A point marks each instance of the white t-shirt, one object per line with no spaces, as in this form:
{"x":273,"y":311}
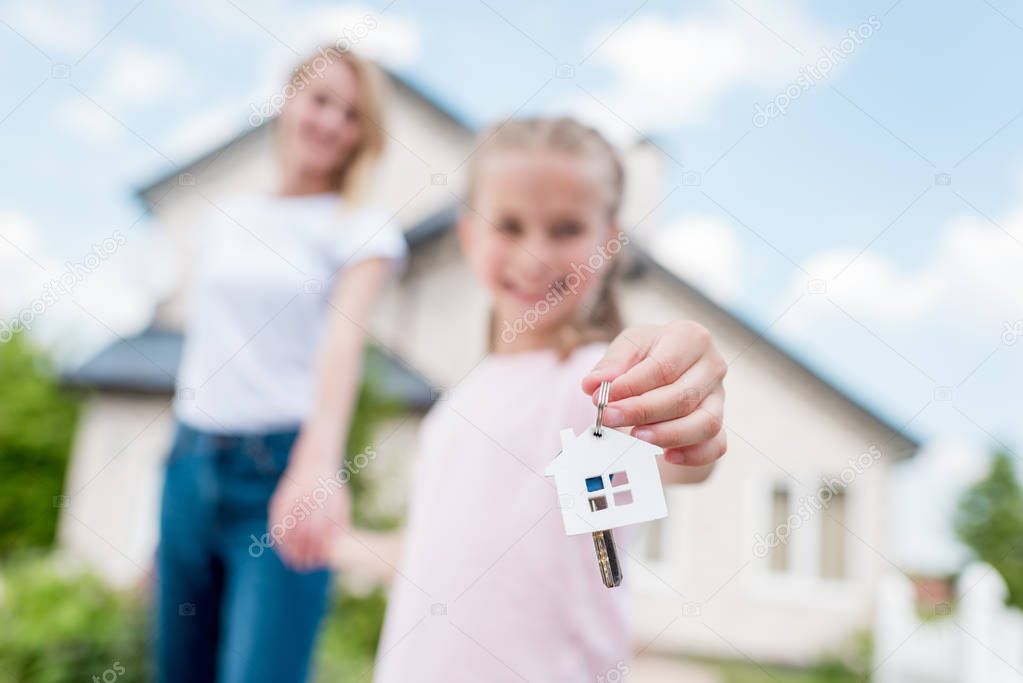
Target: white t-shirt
{"x":266,"y":266}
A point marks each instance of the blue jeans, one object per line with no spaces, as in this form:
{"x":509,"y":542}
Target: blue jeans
{"x":228,"y":610}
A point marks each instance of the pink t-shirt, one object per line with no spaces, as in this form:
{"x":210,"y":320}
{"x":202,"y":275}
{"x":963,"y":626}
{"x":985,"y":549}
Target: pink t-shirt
{"x":490,"y":588}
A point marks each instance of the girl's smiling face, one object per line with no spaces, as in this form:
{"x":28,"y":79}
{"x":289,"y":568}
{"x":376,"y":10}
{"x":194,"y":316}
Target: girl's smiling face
{"x":320,"y":125}
{"x":540,"y":223}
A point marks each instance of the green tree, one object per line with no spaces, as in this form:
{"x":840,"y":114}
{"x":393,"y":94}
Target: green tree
{"x":59,"y":624}
{"x":990,"y":521}
{"x":37,"y":420}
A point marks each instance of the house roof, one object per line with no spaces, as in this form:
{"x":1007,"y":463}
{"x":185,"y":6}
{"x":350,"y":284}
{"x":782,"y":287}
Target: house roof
{"x":147,"y":363}
{"x":402,"y":82}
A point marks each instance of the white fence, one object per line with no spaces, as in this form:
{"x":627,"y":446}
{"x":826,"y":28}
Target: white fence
{"x":981,"y":641}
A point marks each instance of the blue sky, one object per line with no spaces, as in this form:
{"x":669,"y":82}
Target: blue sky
{"x":845,"y":182}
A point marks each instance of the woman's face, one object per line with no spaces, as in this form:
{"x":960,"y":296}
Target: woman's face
{"x":537,"y":238}
{"x":321,"y":125}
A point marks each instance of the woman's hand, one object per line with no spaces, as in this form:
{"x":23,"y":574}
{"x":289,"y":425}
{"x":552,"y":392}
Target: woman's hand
{"x":667,"y":384}
{"x":310,"y":508}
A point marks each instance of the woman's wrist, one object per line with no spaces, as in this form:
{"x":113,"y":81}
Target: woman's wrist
{"x":321,"y":444}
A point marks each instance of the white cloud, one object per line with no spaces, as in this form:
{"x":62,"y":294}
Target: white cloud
{"x":19,"y":255}
{"x":201,"y":132}
{"x":390,"y":39}
{"x":134,"y":76}
{"x":105,"y":292}
{"x":666,"y":72}
{"x":138,"y":75}
{"x":973,"y":273}
{"x":72,"y":26}
{"x":85,"y":121}
{"x":703,"y":249}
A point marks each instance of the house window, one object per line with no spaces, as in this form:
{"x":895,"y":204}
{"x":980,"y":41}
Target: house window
{"x":617,"y":484}
{"x":623,"y":497}
{"x":778,"y":555}
{"x":833,"y":537}
{"x":805,"y":530}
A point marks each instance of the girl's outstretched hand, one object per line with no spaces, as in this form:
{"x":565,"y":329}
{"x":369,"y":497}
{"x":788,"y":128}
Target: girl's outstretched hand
{"x":667,"y":385}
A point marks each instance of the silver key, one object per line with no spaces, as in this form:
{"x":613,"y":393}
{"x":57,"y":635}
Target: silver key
{"x":604,"y":541}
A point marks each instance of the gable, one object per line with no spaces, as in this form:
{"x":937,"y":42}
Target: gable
{"x":593,"y":454}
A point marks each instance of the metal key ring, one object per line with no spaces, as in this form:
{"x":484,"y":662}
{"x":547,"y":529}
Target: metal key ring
{"x":602,"y":397}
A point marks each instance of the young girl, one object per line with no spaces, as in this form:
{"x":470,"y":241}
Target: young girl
{"x":284,"y":285}
{"x":490,"y":587}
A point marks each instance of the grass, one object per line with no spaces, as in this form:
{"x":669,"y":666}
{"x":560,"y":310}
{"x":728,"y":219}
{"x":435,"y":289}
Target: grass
{"x":825,"y":672}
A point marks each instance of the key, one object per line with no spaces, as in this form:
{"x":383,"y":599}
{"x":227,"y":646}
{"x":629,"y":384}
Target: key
{"x":604,"y":541}
{"x":606,"y":479}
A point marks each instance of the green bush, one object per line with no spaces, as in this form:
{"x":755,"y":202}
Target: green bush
{"x":849,"y":664}
{"x":371,"y":409}
{"x":37,"y":421}
{"x":58,"y":626}
{"x":349,"y":637}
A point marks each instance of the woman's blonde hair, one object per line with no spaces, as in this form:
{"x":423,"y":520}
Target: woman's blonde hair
{"x":352,"y":177}
{"x":602,"y":321}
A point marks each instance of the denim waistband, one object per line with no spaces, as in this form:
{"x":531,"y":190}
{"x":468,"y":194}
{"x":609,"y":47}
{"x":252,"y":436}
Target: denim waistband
{"x":194,"y":438}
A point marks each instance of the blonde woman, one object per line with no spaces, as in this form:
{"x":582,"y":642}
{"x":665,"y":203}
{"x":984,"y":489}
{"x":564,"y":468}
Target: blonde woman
{"x":284,"y":287}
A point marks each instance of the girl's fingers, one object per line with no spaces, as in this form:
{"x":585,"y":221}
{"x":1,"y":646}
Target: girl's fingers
{"x":703,"y":453}
{"x":700,"y":425}
{"x":669,"y":402}
{"x":312,"y":542}
{"x":627,"y":349}
{"x":290,"y":548}
{"x":672,"y":351}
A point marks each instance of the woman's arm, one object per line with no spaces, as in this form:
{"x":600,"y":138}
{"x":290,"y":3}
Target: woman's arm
{"x":339,"y":366}
{"x":319,"y":450}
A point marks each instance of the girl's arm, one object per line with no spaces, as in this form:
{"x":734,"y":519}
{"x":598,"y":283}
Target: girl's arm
{"x":318,"y":453}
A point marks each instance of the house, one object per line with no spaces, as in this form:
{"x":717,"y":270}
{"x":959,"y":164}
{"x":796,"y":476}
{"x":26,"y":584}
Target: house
{"x":606,"y":481}
{"x":777,"y":557}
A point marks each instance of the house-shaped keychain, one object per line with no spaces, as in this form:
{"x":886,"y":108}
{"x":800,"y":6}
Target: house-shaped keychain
{"x":606,"y":481}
